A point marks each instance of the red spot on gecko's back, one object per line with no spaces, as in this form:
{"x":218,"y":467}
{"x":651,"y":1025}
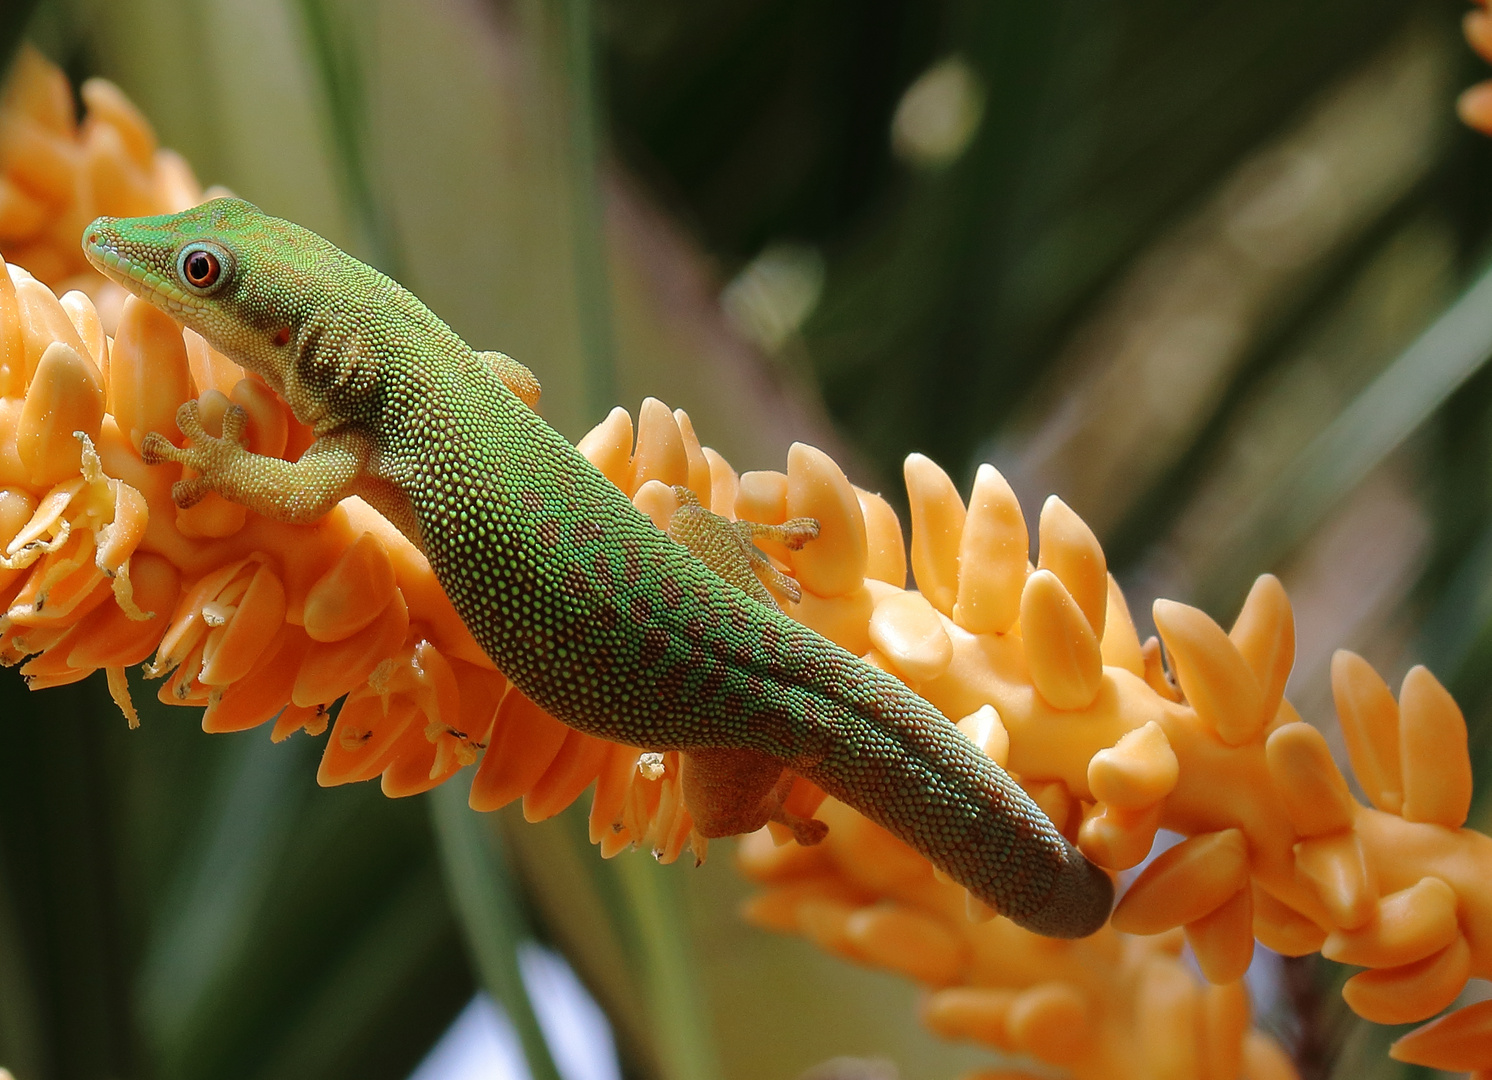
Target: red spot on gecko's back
{"x":671,"y":683}
{"x":631,"y":562}
{"x":713,"y":682}
{"x":576,"y":584}
{"x":654,"y":645}
{"x":282,"y":336}
{"x":586,"y":531}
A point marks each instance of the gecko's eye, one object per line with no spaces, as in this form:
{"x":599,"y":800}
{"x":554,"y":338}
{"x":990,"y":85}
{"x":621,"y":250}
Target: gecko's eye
{"x":203,"y":267}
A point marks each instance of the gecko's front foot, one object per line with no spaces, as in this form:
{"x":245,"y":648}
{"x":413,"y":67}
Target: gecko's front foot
{"x":209,"y":456}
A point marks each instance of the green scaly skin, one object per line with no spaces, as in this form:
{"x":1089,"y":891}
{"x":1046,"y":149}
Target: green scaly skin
{"x":588,"y":608}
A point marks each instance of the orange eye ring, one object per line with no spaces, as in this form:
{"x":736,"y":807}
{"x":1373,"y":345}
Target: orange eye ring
{"x":203,"y":267}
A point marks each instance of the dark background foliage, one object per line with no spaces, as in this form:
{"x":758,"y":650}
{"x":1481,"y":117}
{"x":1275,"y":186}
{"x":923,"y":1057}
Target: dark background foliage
{"x":1175,"y":274}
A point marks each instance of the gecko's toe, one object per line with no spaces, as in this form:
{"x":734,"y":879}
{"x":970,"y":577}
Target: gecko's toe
{"x":799,"y":531}
{"x":235,"y":425}
{"x":188,"y":493}
{"x":189,"y":420}
{"x":156,"y":449}
{"x":809,"y":831}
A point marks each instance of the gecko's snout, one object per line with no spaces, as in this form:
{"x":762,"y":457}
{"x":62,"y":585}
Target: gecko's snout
{"x":93,"y":235}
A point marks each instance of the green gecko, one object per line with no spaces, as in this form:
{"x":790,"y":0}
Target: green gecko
{"x":600,"y":618}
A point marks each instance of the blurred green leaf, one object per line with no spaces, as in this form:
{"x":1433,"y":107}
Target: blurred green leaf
{"x":584,"y":126}
{"x":670,"y":971}
{"x":21,"y":1031}
{"x":299,"y":924}
{"x":476,"y":871}
{"x":358,"y":1019}
{"x":1396,"y":404}
{"x":206,"y":923}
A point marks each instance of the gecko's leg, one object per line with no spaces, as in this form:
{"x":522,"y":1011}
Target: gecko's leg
{"x":738,"y":791}
{"x":515,"y":377}
{"x":728,"y":547}
{"x":297,"y":492}
{"x":791,"y":534}
{"x":729,"y":792}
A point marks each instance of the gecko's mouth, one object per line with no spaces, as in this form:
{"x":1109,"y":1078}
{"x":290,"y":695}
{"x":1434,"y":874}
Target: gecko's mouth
{"x":103,"y":250}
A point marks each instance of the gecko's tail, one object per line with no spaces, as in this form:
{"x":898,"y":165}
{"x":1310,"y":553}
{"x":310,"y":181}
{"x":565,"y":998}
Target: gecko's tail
{"x":995,"y":842}
{"x":910,"y":770}
{"x":1079,"y":901}
{"x":1067,"y":896}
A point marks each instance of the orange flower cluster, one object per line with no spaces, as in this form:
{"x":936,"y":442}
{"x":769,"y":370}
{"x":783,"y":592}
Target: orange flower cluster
{"x":260,"y":621}
{"x":57,"y":175}
{"x":1111,"y":1006}
{"x":1044,"y":665}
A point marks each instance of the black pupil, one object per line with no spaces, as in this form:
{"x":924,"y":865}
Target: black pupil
{"x":201,"y":268}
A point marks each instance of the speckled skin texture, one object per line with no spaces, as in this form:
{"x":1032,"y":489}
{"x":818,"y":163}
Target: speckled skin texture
{"x":591,"y":611}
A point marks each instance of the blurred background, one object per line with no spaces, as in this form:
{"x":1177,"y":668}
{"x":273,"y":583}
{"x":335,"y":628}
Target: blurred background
{"x":1214,"y":273}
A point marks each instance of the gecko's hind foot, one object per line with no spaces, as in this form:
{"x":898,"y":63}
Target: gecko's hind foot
{"x":806,"y":831}
{"x":791,"y":534}
{"x":775,"y":579}
{"x":727,"y":547}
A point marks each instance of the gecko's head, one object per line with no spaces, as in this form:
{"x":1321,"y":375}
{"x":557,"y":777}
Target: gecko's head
{"x":242,"y":279}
